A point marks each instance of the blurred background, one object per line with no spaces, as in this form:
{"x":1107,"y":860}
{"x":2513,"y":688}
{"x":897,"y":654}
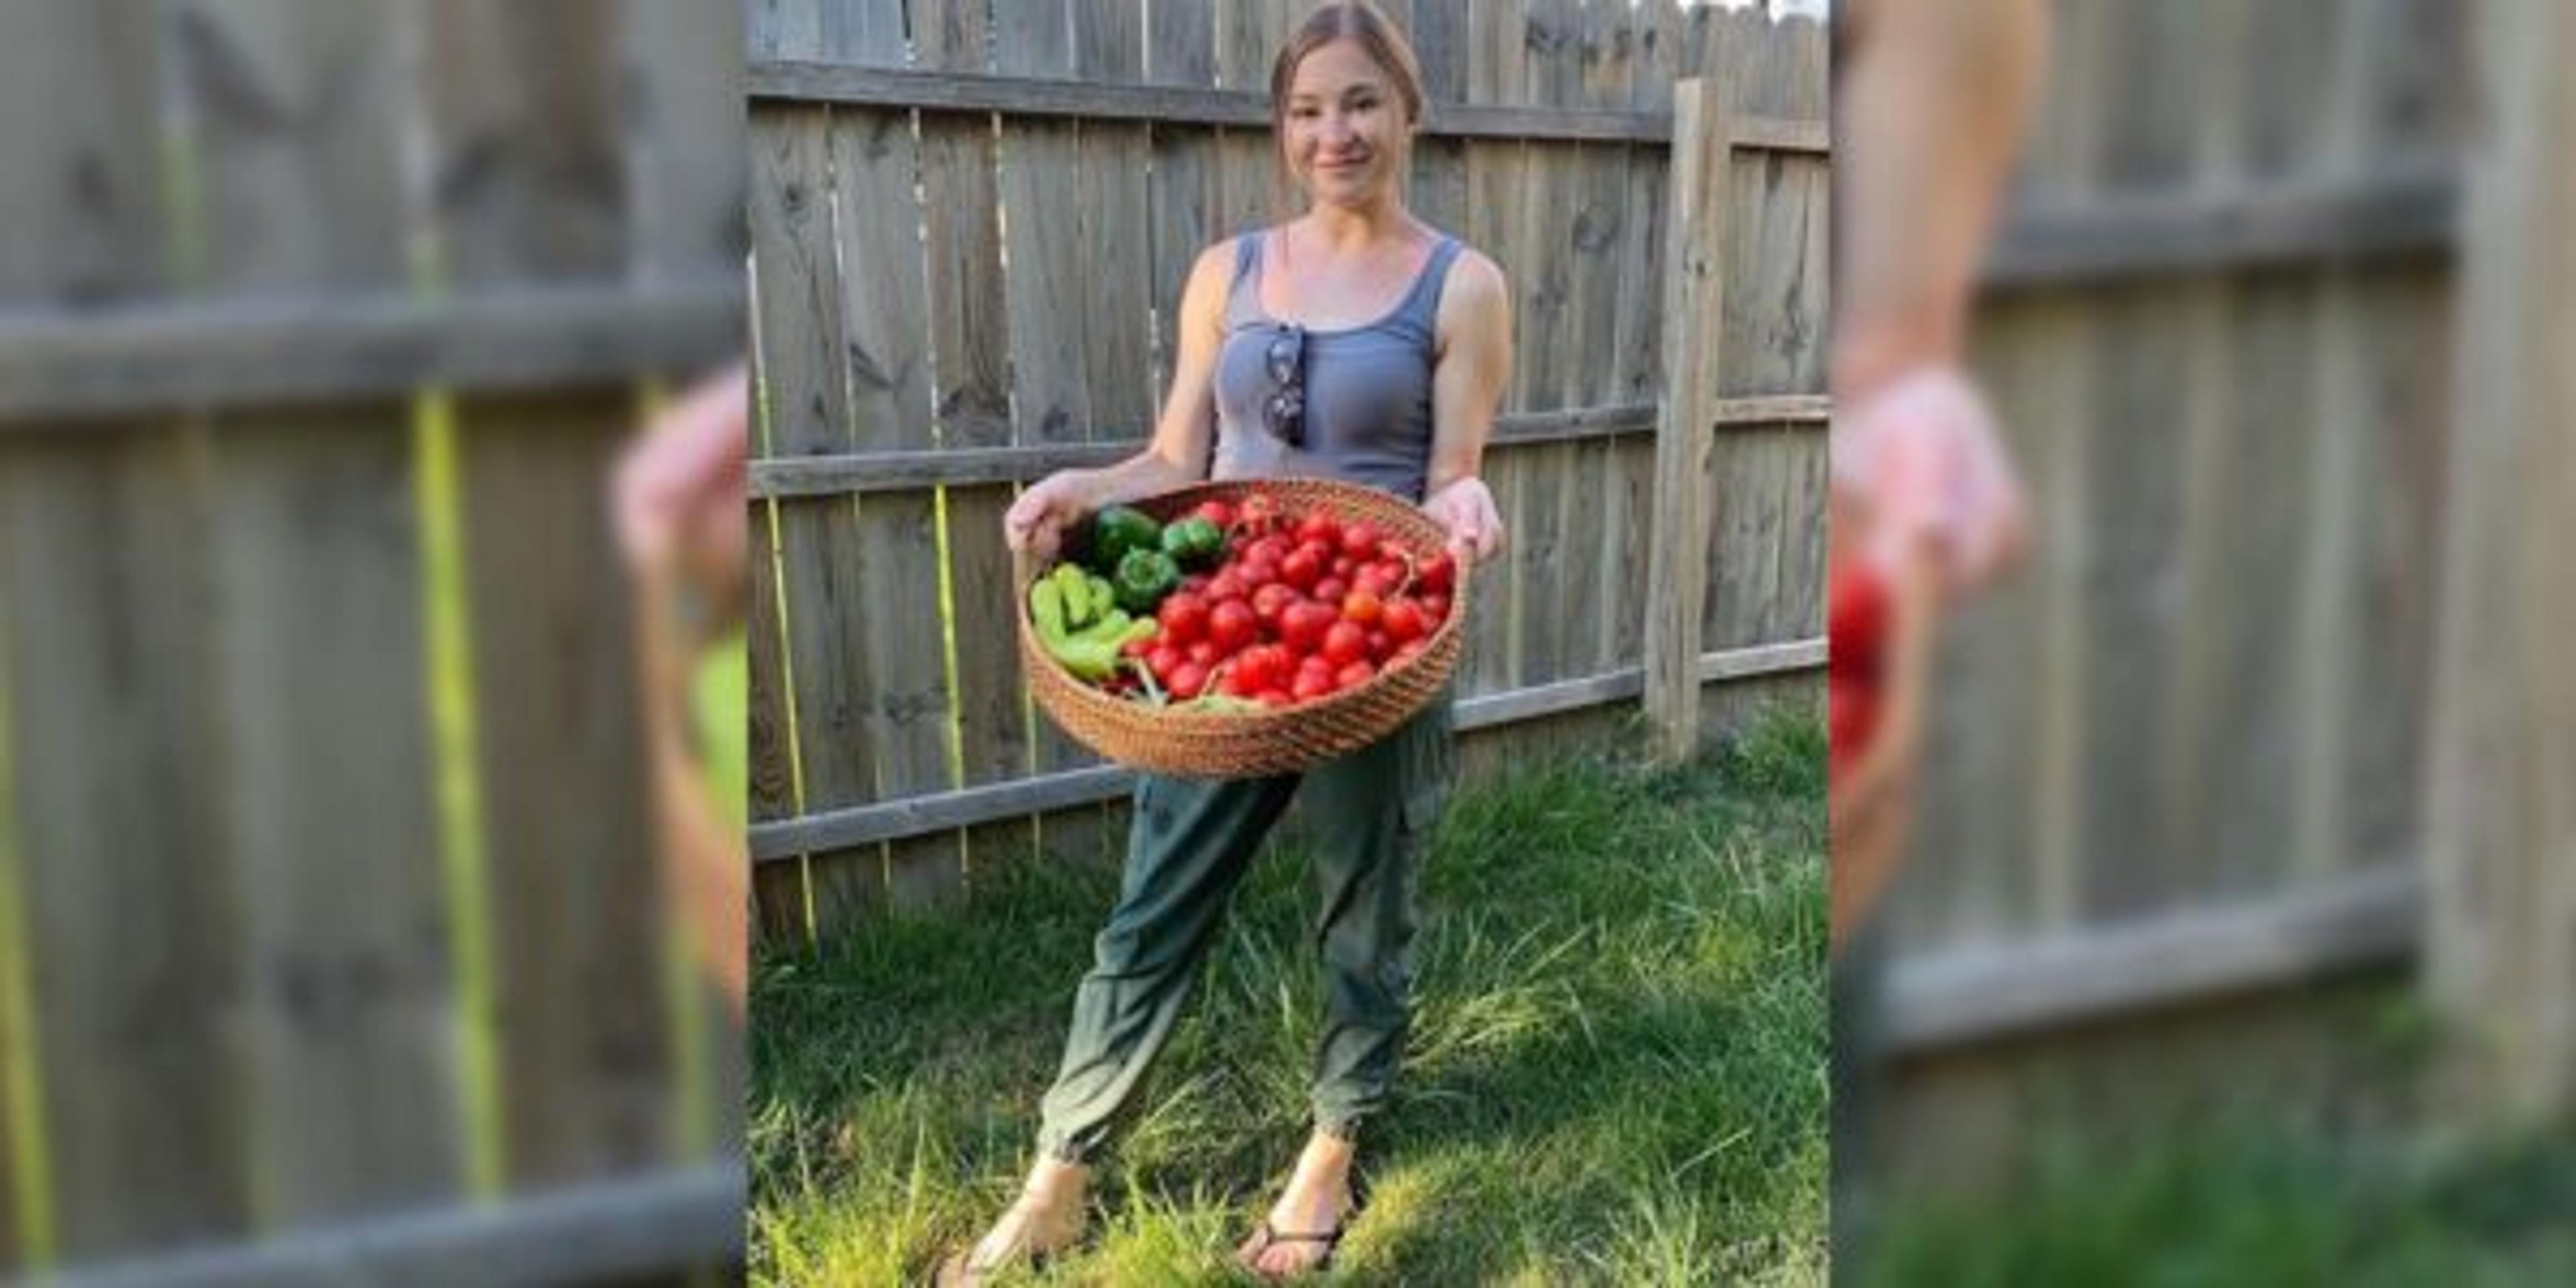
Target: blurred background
{"x":331,"y":947}
{"x":2235,"y":944}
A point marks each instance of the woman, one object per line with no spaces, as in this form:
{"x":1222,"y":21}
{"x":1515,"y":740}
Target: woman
{"x":1353,"y":342}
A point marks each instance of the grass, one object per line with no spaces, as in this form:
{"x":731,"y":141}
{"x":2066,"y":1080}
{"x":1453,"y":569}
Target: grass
{"x":1616,"y":1074}
{"x":2249,"y":1201}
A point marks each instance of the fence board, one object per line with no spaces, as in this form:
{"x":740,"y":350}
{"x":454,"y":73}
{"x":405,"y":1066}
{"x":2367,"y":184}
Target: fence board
{"x":881,"y":298}
{"x":822,"y":616}
{"x":355,"y":979}
{"x":1041,"y":162}
{"x":585,"y":1069}
{"x":970,"y":355}
{"x":100,"y":644}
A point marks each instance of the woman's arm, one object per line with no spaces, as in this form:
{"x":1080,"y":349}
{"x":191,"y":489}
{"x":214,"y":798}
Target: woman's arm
{"x":1473,"y":365}
{"x":1177,"y":455}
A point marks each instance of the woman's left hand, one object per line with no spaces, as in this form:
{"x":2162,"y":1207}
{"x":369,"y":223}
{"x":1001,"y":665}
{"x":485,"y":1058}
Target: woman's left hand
{"x":1465,"y":510}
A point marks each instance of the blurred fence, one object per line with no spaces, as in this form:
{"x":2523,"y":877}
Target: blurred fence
{"x":970,"y":226}
{"x":2181,"y":755}
{"x":330,"y":946}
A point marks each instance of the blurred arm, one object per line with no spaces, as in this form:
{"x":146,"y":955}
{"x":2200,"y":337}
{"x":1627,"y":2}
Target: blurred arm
{"x":1932,"y":103}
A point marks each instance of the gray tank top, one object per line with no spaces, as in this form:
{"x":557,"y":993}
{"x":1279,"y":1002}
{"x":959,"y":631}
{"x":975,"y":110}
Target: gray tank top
{"x":1367,"y":388}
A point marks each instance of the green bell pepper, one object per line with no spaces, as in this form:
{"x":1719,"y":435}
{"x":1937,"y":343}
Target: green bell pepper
{"x":1194,"y":543}
{"x":1117,"y":530}
{"x":1144,"y":578}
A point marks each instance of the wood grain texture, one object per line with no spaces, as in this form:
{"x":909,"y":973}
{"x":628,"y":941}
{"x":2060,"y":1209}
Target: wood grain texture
{"x":360,"y":1098}
{"x":1693,"y":305}
{"x":2500,"y":825}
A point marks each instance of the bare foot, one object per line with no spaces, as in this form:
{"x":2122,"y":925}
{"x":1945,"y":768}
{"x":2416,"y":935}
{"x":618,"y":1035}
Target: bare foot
{"x":1316,"y":1203}
{"x":1047,"y":1219}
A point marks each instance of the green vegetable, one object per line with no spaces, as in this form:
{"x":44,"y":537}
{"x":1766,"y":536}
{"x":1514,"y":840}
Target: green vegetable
{"x":1194,"y":543}
{"x":1090,"y":653}
{"x":1117,"y":530}
{"x":1081,"y":609}
{"x":1046,"y":608}
{"x":1144,"y":577}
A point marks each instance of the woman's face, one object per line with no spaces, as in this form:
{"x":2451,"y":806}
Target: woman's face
{"x":1345,"y":134}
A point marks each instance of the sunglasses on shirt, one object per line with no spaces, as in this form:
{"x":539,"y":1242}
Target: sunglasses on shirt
{"x":1284,"y":415}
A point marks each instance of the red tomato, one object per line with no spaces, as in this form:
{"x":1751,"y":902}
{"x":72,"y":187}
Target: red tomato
{"x":1435,"y":609}
{"x":1184,"y":617}
{"x":1257,"y":571}
{"x":1332,"y":589}
{"x":1236,"y":683}
{"x":1269,"y":601}
{"x":1163,"y":661}
{"x":1272,"y":548}
{"x":1345,"y":643}
{"x":1226,"y":584}
{"x":1359,"y":540}
{"x":1437,"y":574}
{"x":1188,"y":680}
{"x":1378,"y":644}
{"x":1318,"y":527}
{"x":1362,"y":606}
{"x":1275,"y":698}
{"x":1302,"y":570}
{"x":1407,"y":652}
{"x":1303,"y":624}
{"x":1404,"y":621}
{"x":1216,"y":512}
{"x":1344,"y":566}
{"x":1311,"y":685}
{"x":1354,"y":675}
{"x":1138,"y":647}
{"x":1232,"y":625}
{"x":1205,"y":653}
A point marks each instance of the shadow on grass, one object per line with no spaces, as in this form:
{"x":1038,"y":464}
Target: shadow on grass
{"x":1616,"y":1075}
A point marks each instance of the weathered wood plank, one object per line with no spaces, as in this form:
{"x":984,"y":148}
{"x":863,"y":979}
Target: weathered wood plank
{"x":623,"y":1231}
{"x":1051,"y":394}
{"x":1994,"y":992}
{"x":585,"y":1073}
{"x":1693,"y":304}
{"x":100,"y":574}
{"x":1496,"y":179}
{"x":822,"y":597}
{"x":782,"y":81}
{"x":2499,"y":820}
{"x":371,"y":1083}
{"x":905,"y":470}
{"x":881,"y":288}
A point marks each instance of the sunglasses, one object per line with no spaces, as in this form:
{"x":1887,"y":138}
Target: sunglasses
{"x":1284,"y":415}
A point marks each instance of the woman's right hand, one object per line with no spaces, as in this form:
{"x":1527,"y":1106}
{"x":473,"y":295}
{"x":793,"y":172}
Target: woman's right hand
{"x":1035,"y":524}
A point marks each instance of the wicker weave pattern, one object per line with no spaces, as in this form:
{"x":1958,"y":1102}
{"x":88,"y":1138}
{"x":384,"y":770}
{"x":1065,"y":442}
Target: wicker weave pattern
{"x":1247,"y":744}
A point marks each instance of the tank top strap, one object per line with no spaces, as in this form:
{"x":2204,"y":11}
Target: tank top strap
{"x":1422,"y":304}
{"x":1243,"y":298}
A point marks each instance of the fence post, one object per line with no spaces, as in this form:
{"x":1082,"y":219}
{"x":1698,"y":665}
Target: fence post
{"x":2500,"y":807}
{"x":1694,"y":311}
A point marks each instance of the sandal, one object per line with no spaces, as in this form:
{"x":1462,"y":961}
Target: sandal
{"x":1269,"y":1236}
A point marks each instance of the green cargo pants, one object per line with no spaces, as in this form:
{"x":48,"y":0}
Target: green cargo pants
{"x":1190,"y":842}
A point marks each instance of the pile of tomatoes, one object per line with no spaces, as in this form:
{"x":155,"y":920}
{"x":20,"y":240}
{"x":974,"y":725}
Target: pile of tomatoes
{"x":1300,"y":608}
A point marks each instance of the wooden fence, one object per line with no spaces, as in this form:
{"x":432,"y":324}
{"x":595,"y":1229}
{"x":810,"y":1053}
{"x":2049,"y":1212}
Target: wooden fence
{"x":329,"y":942}
{"x":2180,"y":756}
{"x":970,"y":224}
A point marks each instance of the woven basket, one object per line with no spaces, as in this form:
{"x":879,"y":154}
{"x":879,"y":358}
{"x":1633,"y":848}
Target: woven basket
{"x":1256,"y":744}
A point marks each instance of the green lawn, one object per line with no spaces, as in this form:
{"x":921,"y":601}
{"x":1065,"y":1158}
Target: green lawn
{"x":2254,"y":1201}
{"x":1617,"y":1072}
